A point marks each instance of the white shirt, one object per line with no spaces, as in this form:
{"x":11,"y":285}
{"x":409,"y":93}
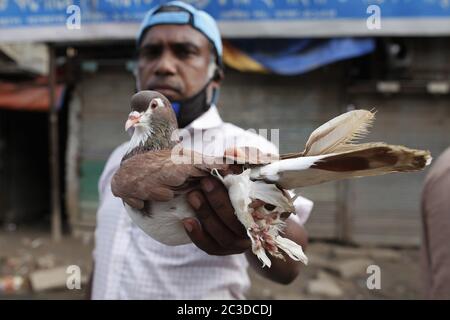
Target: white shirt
{"x":131,"y":265}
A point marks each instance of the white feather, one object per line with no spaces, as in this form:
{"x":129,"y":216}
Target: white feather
{"x":339,"y":132}
{"x":272,"y":171}
{"x":269,"y":193}
{"x":140,"y":135}
{"x":293,"y":250}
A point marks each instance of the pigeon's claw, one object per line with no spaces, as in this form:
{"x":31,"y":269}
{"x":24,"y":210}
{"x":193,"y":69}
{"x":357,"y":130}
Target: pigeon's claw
{"x":257,"y":238}
{"x":269,"y":225}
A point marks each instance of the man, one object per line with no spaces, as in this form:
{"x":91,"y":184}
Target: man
{"x":180,"y":55}
{"x":436,"y":229}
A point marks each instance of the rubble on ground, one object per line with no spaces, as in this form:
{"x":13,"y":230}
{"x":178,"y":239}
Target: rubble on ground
{"x":31,"y":266}
{"x":338,"y":271}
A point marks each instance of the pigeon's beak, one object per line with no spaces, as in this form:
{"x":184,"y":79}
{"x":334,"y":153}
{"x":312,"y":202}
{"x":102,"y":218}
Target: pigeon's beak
{"x":133,"y":119}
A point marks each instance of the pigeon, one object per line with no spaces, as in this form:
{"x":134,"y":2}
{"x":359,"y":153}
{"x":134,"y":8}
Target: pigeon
{"x":257,"y":183}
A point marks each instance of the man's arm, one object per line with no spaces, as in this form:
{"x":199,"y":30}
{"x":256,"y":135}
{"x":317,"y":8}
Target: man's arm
{"x":220,"y":232}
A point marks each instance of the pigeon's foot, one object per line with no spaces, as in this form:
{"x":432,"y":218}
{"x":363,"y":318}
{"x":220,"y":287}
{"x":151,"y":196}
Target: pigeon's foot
{"x":258,"y":206}
{"x":258,"y":240}
{"x":264,"y":217}
{"x":263,"y":240}
{"x":268,"y":225}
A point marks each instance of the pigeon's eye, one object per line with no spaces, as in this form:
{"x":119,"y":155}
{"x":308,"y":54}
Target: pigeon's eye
{"x":154,"y":104}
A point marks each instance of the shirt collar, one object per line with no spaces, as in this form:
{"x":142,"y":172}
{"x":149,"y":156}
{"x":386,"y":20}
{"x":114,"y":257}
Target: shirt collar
{"x":209,"y":119}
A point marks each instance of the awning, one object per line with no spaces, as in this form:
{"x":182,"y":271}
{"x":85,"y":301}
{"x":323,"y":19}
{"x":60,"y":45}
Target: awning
{"x":292,"y":56}
{"x":32,"y":96}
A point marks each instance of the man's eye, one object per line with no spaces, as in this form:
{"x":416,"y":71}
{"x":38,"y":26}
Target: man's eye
{"x":149,"y":53}
{"x":183,"y":54}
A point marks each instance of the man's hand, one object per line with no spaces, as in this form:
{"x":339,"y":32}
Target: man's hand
{"x":219,"y":231}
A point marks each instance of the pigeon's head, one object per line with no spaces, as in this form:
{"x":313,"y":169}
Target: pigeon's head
{"x":151,"y":123}
{"x":150,"y":109}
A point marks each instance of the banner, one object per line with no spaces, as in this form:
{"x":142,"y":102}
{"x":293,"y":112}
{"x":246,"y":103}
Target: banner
{"x":68,"y":20}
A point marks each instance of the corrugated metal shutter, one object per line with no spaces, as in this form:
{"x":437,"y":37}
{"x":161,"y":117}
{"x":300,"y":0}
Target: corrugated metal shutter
{"x":386,"y":209}
{"x":295,"y":106}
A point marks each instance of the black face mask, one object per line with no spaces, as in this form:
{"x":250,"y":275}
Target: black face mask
{"x":191,"y":108}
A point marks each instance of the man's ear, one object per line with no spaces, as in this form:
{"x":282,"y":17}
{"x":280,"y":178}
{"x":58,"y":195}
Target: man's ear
{"x":218,"y":75}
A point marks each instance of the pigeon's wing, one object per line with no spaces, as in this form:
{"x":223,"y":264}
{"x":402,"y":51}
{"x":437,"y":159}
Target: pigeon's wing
{"x":249,"y":156}
{"x":362,"y":160}
{"x":156,"y":176}
{"x":170,"y":172}
{"x":234,"y":160}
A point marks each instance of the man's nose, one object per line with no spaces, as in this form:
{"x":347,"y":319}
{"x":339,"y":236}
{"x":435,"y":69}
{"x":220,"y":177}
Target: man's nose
{"x":166,"y":64}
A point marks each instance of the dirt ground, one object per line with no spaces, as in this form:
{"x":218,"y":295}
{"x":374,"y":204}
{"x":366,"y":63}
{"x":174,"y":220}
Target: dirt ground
{"x":334,"y":271}
{"x":341,"y":272}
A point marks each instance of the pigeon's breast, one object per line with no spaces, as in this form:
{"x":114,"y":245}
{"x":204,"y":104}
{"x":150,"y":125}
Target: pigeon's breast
{"x":164,"y":221}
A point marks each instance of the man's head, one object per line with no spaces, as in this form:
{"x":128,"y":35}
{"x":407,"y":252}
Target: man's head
{"x":180,"y":55}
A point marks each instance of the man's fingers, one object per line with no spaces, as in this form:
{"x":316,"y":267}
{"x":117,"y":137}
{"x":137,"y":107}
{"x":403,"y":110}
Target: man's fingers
{"x":203,"y":240}
{"x":219,"y":200}
{"x":213,"y":225}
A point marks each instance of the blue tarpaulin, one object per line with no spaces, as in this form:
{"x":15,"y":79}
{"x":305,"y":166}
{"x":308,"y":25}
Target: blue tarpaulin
{"x":296,"y":56}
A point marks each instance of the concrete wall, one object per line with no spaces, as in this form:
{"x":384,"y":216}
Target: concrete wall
{"x":295,"y":106}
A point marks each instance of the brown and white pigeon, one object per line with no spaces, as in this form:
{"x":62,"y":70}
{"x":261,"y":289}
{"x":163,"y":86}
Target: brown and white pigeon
{"x":156,"y":191}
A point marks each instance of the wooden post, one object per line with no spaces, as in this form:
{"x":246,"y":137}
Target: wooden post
{"x":54,"y":150}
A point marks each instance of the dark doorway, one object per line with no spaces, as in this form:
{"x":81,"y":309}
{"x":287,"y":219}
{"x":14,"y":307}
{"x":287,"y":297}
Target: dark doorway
{"x":24,"y":167}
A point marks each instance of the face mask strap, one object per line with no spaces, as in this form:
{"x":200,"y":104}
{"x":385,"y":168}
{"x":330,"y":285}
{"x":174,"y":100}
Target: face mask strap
{"x":215,"y":97}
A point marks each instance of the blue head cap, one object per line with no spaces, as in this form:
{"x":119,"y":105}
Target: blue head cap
{"x":198,"y":19}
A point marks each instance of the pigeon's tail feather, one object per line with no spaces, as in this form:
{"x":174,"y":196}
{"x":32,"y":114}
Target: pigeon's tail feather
{"x":362,"y":160}
{"x":339,"y":132}
{"x":378,"y":157}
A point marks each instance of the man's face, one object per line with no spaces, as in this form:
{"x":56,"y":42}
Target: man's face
{"x":174,"y":60}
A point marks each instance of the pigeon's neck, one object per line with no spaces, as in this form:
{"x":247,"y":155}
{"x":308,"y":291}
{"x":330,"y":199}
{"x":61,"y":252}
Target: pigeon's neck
{"x":140,"y":136}
{"x":154,"y":138}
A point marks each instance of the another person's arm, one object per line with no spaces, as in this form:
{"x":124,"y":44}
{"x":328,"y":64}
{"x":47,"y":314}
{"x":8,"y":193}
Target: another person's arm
{"x":436,"y":230}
